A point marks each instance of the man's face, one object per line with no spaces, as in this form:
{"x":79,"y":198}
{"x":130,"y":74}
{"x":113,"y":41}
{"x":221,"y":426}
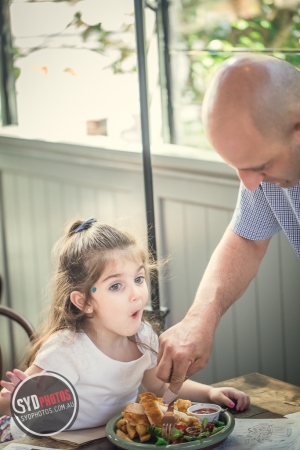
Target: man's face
{"x":255,"y":157}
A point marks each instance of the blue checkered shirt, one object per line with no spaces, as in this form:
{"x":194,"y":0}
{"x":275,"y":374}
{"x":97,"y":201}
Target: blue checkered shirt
{"x":261,"y":213}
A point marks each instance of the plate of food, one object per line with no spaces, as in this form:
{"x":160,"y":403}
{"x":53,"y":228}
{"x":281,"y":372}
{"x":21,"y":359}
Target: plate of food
{"x":138,"y":427}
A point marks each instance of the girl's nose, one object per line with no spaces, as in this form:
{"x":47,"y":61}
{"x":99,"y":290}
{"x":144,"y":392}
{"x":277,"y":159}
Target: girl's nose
{"x":135,"y":293}
{"x":251,"y":180}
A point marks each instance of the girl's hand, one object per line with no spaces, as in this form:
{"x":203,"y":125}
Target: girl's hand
{"x":230,"y":397}
{"x":15,"y":377}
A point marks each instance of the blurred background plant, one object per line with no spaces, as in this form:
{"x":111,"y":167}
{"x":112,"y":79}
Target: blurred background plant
{"x":205,"y":33}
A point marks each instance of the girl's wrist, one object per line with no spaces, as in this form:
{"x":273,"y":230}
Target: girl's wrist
{"x":208,"y":394}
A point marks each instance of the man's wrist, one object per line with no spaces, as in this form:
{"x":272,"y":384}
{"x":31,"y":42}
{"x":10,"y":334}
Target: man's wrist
{"x":207,"y":315}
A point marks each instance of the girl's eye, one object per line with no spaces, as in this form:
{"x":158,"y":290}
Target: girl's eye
{"x":115,"y":287}
{"x":139,"y":280}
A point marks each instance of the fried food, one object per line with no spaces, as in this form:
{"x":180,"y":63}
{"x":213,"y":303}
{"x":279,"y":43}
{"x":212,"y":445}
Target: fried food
{"x":138,"y":416}
{"x":121,"y":423}
{"x":145,"y":438}
{"x":190,"y":421}
{"x":182,"y":405}
{"x":123,"y":435}
{"x":134,"y":413}
{"x":141,"y":430}
{"x":131,"y":430}
{"x":152,"y":408}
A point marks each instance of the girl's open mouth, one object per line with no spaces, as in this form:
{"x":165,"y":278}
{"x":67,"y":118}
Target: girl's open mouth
{"x":135,"y":315}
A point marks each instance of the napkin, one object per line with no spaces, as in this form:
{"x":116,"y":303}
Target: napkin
{"x":293,"y":415}
{"x":80,"y":437}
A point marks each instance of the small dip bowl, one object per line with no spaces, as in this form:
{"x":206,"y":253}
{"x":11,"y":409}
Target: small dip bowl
{"x":208,"y":410}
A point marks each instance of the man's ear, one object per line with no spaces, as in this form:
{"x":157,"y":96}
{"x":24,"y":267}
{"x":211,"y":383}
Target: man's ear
{"x":77,"y":298}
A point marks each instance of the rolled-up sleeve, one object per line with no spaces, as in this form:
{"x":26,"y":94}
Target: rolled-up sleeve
{"x":253,"y":217}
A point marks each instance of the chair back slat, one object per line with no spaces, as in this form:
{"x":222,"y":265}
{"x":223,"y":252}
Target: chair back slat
{"x":21,"y":320}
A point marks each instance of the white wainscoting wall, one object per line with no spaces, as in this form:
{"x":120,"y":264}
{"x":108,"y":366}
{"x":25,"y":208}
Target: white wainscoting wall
{"x":44,"y":185}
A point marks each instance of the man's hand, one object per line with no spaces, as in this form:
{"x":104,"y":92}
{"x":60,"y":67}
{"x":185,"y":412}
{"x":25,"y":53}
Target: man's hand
{"x":184,"y":349}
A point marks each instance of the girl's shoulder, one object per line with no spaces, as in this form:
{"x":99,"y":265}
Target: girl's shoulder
{"x":64,"y":338}
{"x":61,"y":353}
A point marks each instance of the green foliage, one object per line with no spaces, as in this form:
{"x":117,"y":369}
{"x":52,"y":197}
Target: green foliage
{"x":273,"y":30}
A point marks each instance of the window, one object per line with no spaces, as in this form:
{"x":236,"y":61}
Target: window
{"x":77,"y":71}
{"x":205,"y":33}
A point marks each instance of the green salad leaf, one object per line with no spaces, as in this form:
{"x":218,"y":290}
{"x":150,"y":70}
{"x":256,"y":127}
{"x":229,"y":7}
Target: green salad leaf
{"x":218,"y":423}
{"x":161,"y":441}
{"x":156,"y":432}
{"x":204,"y":422}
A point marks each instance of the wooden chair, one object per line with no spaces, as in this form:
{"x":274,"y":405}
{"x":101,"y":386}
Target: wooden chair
{"x":16,"y":317}
{"x":21,"y":320}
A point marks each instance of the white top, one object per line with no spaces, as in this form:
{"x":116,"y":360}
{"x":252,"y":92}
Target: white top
{"x":104,"y":386}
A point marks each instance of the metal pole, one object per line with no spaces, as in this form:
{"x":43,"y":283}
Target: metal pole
{"x":7,"y":77}
{"x":147,"y":166}
{"x":163,"y":8}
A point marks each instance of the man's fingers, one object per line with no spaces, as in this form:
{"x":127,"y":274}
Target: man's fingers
{"x":179,"y":375}
{"x":186,"y":370}
{"x":195,"y":366}
{"x":184,"y":373}
{"x":180,"y":355}
{"x":164,"y":369}
{"x":176,"y":384}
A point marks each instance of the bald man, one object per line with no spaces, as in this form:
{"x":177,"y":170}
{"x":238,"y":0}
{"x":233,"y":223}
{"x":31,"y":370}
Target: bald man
{"x":251,"y":116}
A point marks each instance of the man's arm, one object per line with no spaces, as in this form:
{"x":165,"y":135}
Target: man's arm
{"x":186,"y":347}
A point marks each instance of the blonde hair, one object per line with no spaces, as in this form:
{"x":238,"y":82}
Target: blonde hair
{"x":82,"y":259}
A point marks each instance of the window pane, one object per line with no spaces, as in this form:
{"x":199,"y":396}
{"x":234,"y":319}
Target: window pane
{"x":205,"y":33}
{"x":78,"y":70}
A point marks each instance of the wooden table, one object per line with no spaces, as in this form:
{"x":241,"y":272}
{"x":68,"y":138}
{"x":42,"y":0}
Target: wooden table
{"x":270,"y":398}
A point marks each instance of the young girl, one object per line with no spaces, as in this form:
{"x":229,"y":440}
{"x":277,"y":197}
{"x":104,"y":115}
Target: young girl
{"x":95,"y":336}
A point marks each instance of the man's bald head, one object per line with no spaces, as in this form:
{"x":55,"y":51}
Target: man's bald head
{"x":251,"y":116}
{"x":256,"y":87}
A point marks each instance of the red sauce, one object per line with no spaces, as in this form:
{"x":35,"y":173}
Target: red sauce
{"x":205,"y":411}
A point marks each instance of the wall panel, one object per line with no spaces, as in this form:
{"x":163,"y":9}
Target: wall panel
{"x":45,"y":185}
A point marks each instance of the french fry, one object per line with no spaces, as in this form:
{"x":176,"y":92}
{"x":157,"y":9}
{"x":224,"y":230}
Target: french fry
{"x":145,"y":438}
{"x":123,"y":435}
{"x":141,"y":430}
{"x":131,"y":431}
{"x":121,"y":423}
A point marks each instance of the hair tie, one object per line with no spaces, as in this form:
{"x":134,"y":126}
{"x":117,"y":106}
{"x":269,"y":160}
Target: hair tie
{"x":85,"y":225}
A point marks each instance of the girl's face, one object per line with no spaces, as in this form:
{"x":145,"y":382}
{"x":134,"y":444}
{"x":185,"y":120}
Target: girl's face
{"x":120,"y":297}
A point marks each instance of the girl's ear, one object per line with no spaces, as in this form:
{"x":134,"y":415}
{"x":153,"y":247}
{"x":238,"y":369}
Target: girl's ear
{"x":77,"y":298}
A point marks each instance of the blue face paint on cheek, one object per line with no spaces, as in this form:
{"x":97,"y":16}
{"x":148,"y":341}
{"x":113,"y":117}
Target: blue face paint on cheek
{"x":93,"y":289}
